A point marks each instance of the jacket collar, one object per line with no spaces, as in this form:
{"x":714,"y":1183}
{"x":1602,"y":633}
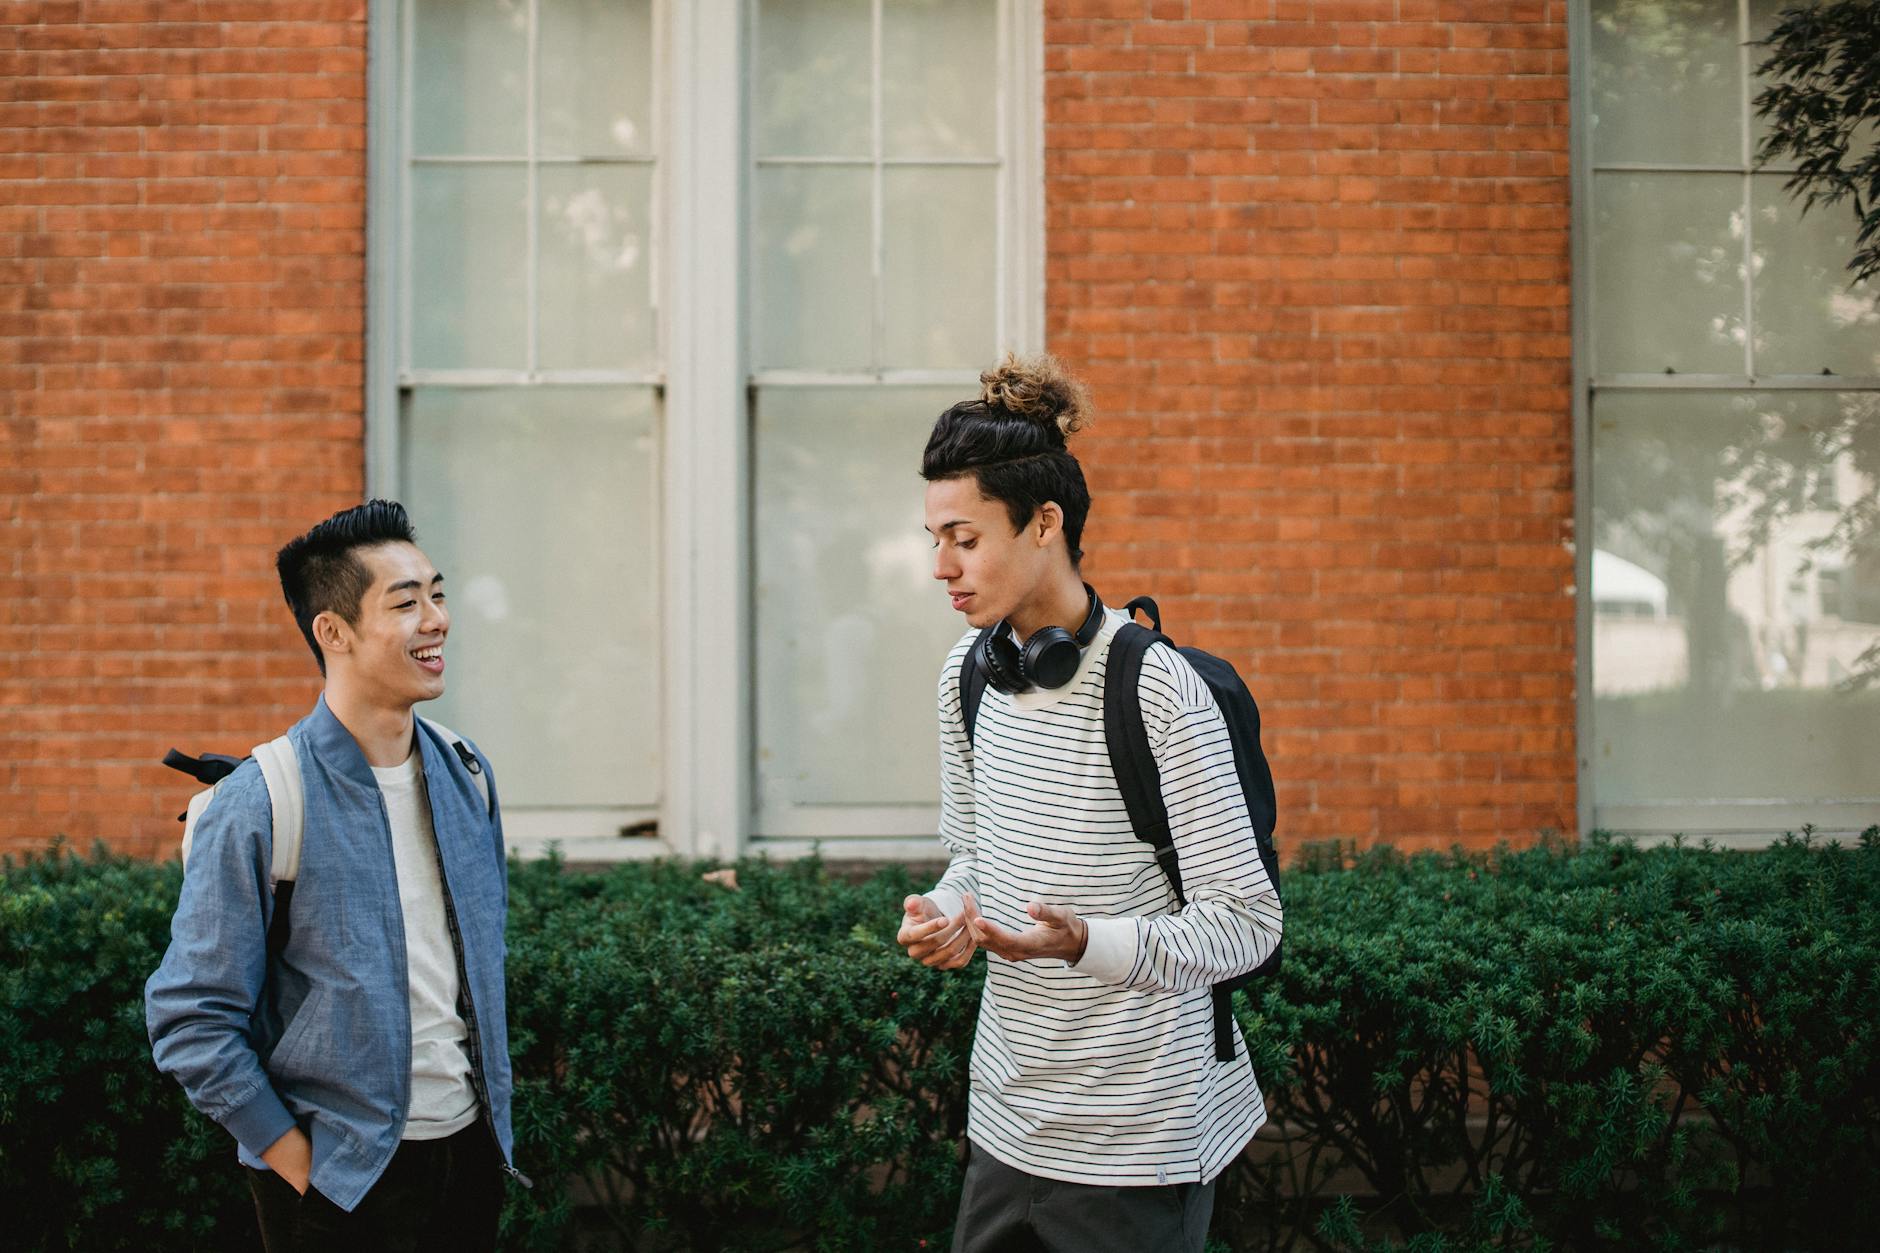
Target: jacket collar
{"x":335,"y":747}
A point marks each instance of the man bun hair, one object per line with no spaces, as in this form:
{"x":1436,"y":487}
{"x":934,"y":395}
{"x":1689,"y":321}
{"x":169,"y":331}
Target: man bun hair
{"x":1012,"y":441}
{"x":321,"y":571}
{"x":1039,"y":388}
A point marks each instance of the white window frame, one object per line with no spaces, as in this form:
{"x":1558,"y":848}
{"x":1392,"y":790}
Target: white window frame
{"x":706,"y":806}
{"x":583,"y":833}
{"x":1726,"y":823}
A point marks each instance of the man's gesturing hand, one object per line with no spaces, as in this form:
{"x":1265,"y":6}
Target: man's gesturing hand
{"x":1056,"y":931}
{"x":933,"y":939}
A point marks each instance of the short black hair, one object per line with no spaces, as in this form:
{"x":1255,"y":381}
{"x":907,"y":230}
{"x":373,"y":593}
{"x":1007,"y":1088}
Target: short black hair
{"x":321,"y":571}
{"x":1012,"y":441}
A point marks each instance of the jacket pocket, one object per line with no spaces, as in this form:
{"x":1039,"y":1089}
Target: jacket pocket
{"x":293,"y":1042}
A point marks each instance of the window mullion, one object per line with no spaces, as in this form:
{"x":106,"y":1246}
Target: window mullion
{"x":878,"y":330}
{"x":407,"y":75}
{"x":1749,"y":196}
{"x":707,"y":597}
{"x":532,"y":265}
{"x":660,"y":80}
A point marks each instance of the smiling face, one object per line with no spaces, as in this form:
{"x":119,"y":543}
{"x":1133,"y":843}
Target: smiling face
{"x":990,"y":573}
{"x":393,"y":655}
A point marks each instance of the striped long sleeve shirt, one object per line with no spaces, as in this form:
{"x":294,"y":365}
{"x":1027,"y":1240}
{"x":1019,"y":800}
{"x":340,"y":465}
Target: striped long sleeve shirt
{"x":1104,"y":1071}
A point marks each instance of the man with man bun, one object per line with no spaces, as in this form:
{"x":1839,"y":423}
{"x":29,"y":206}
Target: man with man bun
{"x":1099,"y":1116}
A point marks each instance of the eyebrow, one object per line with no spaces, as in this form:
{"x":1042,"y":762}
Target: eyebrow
{"x":411,"y":585}
{"x":948,"y":526}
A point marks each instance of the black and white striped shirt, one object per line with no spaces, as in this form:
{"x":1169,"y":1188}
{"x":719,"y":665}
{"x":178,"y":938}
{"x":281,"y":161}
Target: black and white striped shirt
{"x":1104,"y":1072}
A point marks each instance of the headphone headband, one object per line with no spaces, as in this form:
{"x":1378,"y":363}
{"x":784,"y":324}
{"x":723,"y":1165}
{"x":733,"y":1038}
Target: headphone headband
{"x":1093,"y":621}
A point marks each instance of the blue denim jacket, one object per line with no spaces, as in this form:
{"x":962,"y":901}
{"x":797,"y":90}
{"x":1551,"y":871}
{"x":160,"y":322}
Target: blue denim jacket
{"x":320,"y":1036}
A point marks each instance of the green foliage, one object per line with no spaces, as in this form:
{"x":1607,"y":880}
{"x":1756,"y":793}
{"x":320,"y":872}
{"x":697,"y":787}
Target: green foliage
{"x":1548,"y":1049}
{"x":1823,"y":112}
{"x":1604,"y":1047}
{"x":758,"y":1069}
{"x":98,"y":1150}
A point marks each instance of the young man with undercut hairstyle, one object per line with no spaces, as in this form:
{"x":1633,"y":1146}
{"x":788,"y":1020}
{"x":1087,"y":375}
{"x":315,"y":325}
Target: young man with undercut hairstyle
{"x":347,"y":1027}
{"x":1101,"y":1110}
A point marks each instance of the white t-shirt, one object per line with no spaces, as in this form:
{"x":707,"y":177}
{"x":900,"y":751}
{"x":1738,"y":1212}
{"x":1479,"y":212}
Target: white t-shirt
{"x":443,"y":1099}
{"x":1103,"y":1072}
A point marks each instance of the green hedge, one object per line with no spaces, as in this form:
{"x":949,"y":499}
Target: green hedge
{"x":1609,"y":1048}
{"x":1596,"y":1048}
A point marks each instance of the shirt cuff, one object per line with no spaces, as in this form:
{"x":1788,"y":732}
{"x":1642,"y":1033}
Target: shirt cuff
{"x":259,"y":1123}
{"x":946,"y":900}
{"x":1110,"y":951}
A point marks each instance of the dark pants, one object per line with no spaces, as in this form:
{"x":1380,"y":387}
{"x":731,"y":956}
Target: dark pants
{"x":441,"y":1195}
{"x":1003,"y":1210}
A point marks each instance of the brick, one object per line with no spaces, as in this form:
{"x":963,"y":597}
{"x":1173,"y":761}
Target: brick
{"x":1379,"y":196}
{"x":182,"y":239}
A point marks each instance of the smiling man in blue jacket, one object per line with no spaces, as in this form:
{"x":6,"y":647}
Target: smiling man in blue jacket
{"x":354,"y":1045}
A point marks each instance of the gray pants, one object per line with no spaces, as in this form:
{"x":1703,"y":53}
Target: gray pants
{"x":1003,"y":1210}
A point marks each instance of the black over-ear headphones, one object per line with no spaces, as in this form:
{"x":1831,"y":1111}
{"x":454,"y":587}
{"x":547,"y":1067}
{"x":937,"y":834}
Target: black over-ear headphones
{"x":1048,"y":659}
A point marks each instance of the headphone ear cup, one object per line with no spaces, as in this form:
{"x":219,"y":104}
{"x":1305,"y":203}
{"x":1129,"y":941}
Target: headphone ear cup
{"x":1002,"y":663}
{"x":1051,"y":657}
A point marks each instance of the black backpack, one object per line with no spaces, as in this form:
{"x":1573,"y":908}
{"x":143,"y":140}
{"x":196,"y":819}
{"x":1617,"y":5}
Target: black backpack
{"x":1141,"y":783}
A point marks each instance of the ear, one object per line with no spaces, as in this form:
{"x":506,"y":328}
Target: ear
{"x":331,"y":633}
{"x":1048,"y":521}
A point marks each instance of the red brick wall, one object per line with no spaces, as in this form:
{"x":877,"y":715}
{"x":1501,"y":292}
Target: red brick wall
{"x":182,"y":192}
{"x":1313,"y":257}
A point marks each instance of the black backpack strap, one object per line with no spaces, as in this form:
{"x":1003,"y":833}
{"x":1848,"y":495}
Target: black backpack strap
{"x":1223,"y":1021}
{"x":1147,"y":605}
{"x":1131,"y":758}
{"x":210,"y":768}
{"x":281,"y":926}
{"x":1137,"y":777}
{"x":972,"y":685}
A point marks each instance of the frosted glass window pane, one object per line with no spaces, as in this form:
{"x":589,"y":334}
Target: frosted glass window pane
{"x":595,"y":78}
{"x":594,"y":238}
{"x":540,"y":507}
{"x":1668,"y":273}
{"x":469,"y":295}
{"x":470,"y":77}
{"x":814,"y":299}
{"x":811,"y":96}
{"x":1666,"y":82}
{"x":940,"y":78}
{"x":1808,"y":316}
{"x":851,"y":626}
{"x":1729,"y":608}
{"x":941,"y":266}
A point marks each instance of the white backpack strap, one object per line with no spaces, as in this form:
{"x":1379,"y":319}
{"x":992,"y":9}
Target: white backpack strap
{"x":467,"y":755}
{"x":193,"y":815}
{"x":280,"y":767}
